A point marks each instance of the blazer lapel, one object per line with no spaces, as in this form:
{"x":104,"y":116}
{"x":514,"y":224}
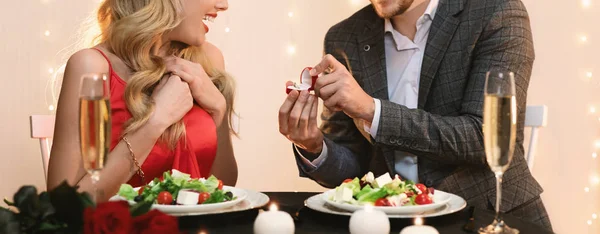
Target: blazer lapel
{"x":371,"y":52}
{"x":441,"y":32}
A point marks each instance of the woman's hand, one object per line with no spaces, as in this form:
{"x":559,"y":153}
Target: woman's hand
{"x":203,"y":90}
{"x":173,"y":99}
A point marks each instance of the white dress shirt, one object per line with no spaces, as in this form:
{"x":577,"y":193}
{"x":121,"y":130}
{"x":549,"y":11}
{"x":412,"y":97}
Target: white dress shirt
{"x":403,"y":62}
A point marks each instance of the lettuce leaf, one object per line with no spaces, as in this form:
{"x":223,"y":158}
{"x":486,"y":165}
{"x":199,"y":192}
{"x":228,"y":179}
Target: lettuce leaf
{"x":373,"y":195}
{"x":195,"y":185}
{"x":216,"y":197}
{"x":365,"y":190}
{"x":127,"y":192}
{"x":395,"y":187}
{"x":180,"y":178}
{"x":212,"y":183}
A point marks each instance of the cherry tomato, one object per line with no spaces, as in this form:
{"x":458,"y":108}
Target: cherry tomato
{"x":347,"y":180}
{"x":141,"y":190}
{"x":164,"y":198}
{"x":220,"y":185}
{"x":422,"y":187}
{"x":423,"y":199}
{"x":203,"y":197}
{"x":382,"y":202}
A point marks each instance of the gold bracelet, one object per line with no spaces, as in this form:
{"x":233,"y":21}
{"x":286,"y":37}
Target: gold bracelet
{"x":139,"y":171}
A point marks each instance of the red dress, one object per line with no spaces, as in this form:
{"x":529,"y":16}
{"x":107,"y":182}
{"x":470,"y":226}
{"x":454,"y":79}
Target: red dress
{"x":193,"y":155}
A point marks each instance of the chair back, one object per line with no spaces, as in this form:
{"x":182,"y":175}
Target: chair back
{"x":42,"y":128}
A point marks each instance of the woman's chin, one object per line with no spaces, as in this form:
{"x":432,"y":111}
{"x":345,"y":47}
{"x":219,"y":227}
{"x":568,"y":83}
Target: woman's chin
{"x":198,"y":43}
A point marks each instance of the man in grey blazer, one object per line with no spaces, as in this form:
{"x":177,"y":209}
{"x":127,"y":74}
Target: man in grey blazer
{"x":402,"y":86}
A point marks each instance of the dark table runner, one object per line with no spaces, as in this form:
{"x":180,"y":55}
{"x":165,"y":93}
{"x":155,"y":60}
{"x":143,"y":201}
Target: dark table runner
{"x":310,"y":221}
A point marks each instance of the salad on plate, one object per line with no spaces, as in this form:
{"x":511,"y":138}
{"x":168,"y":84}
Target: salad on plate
{"x":177,"y":188}
{"x":382,"y":191}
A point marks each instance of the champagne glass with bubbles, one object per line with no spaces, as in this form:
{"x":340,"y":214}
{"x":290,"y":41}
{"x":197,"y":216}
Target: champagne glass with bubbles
{"x":94,"y":125}
{"x":499,"y":133}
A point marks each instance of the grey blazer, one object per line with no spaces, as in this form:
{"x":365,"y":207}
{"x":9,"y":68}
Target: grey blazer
{"x":467,"y":38}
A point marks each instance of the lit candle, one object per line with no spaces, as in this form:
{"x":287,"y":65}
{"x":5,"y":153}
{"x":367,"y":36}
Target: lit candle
{"x":370,"y":221}
{"x":273,"y":222}
{"x":419,"y":228}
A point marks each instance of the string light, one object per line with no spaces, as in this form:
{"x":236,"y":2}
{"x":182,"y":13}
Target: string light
{"x":290,"y":14}
{"x":586,"y":189}
{"x":51,"y":71}
{"x":47,"y":33}
{"x":597,"y":144}
{"x":51,"y":107}
{"x":594,"y":155}
{"x":291,"y":50}
{"x":592,"y":109}
{"x":227,"y":30}
{"x":595,"y":180}
{"x":589,"y":75}
{"x":589,"y":222}
{"x":586,"y":3}
{"x":594,"y":216}
{"x":583,"y":38}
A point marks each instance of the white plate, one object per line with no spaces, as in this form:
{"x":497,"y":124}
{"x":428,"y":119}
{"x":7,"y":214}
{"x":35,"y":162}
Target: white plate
{"x":452,"y":204}
{"x":245,"y":200}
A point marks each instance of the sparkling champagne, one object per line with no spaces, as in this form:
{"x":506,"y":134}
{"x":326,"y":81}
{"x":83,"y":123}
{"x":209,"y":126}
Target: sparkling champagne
{"x":94,"y":128}
{"x":499,"y":130}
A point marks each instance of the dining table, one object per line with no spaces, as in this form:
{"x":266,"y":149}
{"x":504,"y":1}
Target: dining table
{"x":306,"y":220}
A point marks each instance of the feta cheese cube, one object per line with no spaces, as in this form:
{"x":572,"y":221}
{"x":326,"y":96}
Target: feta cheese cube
{"x":187,"y":197}
{"x":369,"y":177}
{"x":343,"y":195}
{"x":383,"y":180}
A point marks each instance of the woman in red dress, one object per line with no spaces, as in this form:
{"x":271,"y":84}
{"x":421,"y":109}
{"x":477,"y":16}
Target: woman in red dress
{"x":171,"y":100}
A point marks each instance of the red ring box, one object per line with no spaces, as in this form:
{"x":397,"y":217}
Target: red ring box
{"x":307,"y":82}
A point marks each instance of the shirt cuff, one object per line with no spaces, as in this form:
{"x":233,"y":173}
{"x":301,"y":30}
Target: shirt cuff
{"x":372,"y":129}
{"x":315,"y":163}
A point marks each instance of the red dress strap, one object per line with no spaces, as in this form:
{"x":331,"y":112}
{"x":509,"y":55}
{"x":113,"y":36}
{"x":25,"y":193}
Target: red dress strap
{"x":107,"y":60}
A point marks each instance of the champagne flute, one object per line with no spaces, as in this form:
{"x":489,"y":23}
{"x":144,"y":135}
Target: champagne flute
{"x":499,"y":133}
{"x":94,"y":125}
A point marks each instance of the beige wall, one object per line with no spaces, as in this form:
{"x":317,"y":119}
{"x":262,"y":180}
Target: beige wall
{"x":564,"y":160}
{"x":256,"y":52}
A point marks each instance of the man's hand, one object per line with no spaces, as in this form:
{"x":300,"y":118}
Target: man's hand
{"x":340,"y":92}
{"x":298,"y":120}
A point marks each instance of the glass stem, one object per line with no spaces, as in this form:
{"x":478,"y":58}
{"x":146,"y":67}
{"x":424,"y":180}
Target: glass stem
{"x":95,"y":178}
{"x":498,"y":195}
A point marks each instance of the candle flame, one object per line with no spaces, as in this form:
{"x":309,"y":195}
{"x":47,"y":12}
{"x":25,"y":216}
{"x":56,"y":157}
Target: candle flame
{"x":273,"y":207}
{"x":419,"y":221}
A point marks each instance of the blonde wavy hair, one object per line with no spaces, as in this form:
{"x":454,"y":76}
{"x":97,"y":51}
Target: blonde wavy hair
{"x":132,"y":30}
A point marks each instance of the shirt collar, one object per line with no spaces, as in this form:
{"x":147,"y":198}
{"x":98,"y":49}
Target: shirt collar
{"x":429,"y":13}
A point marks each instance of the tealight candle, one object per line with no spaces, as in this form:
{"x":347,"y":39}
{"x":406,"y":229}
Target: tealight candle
{"x":273,"y":222}
{"x":419,"y":228}
{"x":369,"y":221}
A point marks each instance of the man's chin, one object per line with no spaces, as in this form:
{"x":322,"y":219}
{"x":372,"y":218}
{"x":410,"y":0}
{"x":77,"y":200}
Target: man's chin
{"x":385,"y":14}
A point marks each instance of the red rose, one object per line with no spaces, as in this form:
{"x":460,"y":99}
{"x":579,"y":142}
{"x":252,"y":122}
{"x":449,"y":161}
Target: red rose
{"x":155,"y":222}
{"x":107,"y":217}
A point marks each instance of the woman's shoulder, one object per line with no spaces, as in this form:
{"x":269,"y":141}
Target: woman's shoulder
{"x":214,"y":55}
{"x":89,"y":60}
